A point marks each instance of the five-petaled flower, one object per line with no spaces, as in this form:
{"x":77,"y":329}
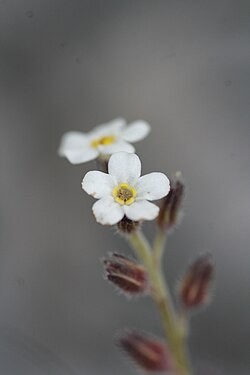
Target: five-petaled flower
{"x":103,"y":140}
{"x":123,"y":192}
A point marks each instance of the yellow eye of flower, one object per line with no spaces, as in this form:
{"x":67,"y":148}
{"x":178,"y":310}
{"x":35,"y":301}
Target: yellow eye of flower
{"x":124,"y":194}
{"x":104,"y":141}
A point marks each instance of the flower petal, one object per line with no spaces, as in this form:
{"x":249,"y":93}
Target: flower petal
{"x":98,"y":184}
{"x":153,"y":186}
{"x":141,"y":210}
{"x":110,"y":128}
{"x":74,"y":146}
{"x":71,"y":141}
{"x":107,"y":211}
{"x":81,"y":156}
{"x":125,"y":167}
{"x":116,"y":147}
{"x":136,"y":131}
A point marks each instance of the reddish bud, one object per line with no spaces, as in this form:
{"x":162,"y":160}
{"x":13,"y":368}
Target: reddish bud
{"x":171,"y":204}
{"x":195,"y":285}
{"x":128,"y":275}
{"x":150,"y":354}
{"x":127,"y":226}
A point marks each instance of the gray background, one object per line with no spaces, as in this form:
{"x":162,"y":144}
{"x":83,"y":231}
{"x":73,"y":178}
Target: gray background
{"x":184,"y":67}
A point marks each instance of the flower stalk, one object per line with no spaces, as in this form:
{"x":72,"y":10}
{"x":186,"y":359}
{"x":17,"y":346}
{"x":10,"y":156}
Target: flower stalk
{"x":123,"y":192}
{"x":124,"y":198}
{"x":159,"y":245}
{"x":174,"y":327}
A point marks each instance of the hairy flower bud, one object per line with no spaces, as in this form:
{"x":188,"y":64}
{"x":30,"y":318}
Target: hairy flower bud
{"x":129,"y":276}
{"x":150,"y":354}
{"x":127,"y":226}
{"x":194,"y":288}
{"x":171,"y":204}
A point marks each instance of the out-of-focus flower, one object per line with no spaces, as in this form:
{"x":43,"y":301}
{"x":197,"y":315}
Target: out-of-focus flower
{"x":123,"y":192}
{"x":194,"y":287}
{"x":128,"y":275}
{"x":150,"y":354}
{"x":103,"y":140}
{"x":170,"y":208}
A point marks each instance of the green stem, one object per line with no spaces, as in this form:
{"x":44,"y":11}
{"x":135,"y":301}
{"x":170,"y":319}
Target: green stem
{"x":141,"y":246}
{"x":159,"y":244}
{"x":174,"y":329}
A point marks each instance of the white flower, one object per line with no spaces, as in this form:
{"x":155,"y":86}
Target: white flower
{"x":104,"y":139}
{"x":123,"y":192}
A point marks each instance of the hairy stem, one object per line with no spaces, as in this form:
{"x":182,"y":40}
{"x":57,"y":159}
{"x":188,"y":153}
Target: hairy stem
{"x":159,"y":244}
{"x":174,"y":329}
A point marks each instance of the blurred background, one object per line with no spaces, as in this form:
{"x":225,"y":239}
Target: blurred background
{"x":70,"y":65}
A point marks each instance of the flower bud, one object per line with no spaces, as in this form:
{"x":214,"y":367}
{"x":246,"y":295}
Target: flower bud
{"x":171,"y":204}
{"x":194,"y":289}
{"x":150,"y":354}
{"x":127,"y":226}
{"x":127,"y":275}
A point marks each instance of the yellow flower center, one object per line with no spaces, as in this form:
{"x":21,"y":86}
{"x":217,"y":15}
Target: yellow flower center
{"x":104,"y":141}
{"x":124,"y":194}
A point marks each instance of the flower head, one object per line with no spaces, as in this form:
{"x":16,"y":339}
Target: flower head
{"x":104,"y":139}
{"x":122,"y":192}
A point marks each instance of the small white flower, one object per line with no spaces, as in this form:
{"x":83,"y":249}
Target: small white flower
{"x":104,"y":139}
{"x":123,"y":192}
